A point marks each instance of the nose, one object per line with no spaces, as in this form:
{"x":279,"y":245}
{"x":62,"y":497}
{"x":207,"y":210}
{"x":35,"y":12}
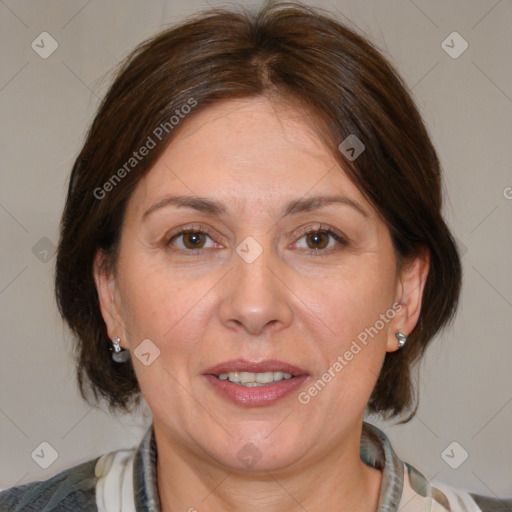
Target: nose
{"x":255,"y":296}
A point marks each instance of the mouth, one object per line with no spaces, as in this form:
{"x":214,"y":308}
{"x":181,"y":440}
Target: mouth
{"x":252,"y":380}
{"x":273,"y":380}
{"x":250,"y":384}
{"x":253,"y":374}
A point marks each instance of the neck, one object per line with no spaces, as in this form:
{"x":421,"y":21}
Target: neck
{"x":338,"y":480}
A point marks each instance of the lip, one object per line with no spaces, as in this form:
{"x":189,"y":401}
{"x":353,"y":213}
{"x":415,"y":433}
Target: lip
{"x":269,"y":365}
{"x":256,"y":396}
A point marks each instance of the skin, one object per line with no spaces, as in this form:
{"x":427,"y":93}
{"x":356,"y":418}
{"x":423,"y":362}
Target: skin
{"x":294,"y":303}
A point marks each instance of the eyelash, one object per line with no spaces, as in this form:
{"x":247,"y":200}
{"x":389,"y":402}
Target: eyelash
{"x":326,"y":230}
{"x":301,"y":234}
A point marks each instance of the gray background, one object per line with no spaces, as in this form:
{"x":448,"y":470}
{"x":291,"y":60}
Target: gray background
{"x":46,"y":106}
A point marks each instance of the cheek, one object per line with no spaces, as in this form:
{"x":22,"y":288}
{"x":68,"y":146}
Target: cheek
{"x":160,"y":305}
{"x":345,"y":312}
{"x":351,"y":299}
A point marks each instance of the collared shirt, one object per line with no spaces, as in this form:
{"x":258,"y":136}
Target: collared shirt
{"x":126,"y":481}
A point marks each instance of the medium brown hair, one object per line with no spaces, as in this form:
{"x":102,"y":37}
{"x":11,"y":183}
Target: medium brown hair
{"x":288,"y":51}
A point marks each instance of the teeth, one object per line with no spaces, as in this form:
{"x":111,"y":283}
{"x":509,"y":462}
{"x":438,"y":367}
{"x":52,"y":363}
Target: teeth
{"x":246,"y":377}
{"x":250,"y":379}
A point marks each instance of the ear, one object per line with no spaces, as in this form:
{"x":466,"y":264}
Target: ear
{"x":408,"y":296}
{"x":109,"y":298}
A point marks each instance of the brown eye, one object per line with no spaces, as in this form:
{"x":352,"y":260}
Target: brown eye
{"x":194,"y":240}
{"x":317,"y":239}
{"x":188,"y":239}
{"x":320,"y":241}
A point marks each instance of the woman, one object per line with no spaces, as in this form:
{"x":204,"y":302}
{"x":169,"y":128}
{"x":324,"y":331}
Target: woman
{"x":252,"y":242}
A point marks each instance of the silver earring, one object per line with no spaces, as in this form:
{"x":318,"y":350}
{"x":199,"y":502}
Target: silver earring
{"x":119,"y":354}
{"x":401,"y":338}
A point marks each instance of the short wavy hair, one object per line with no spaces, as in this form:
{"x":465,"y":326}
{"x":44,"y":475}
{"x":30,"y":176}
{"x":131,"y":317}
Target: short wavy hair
{"x":286,"y":51}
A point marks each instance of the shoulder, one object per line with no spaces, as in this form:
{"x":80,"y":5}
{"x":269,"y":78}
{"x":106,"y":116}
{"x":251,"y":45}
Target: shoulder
{"x":487,"y":504}
{"x":405,"y":489}
{"x":439,"y":497}
{"x":72,"y":489}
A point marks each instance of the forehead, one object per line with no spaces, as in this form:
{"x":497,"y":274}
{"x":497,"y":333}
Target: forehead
{"x":246,"y":152}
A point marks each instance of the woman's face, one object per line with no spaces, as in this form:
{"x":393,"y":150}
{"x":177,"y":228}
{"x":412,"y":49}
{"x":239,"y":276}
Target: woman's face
{"x":284,"y":263}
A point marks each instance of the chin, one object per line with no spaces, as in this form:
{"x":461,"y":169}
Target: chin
{"x":260,"y":452}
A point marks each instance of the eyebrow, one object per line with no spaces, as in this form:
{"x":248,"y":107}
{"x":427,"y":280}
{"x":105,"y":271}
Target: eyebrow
{"x":214,"y":207}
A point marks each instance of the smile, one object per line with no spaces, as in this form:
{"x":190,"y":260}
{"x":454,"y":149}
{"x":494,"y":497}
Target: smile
{"x":250,"y":379}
